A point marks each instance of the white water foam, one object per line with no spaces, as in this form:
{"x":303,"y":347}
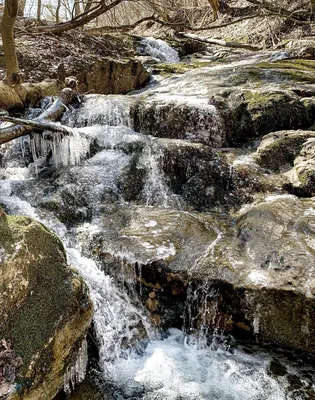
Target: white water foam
{"x":171,"y":369}
{"x":113,"y":110}
{"x":159,"y":49}
{"x":118,"y":323}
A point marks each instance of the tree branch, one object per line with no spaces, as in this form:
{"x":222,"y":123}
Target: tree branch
{"x":81,"y":20}
{"x":42,"y":126}
{"x":235,"y":45}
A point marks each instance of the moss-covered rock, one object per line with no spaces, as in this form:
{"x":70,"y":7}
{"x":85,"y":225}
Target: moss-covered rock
{"x":260,"y":111}
{"x":278,"y":150}
{"x":228,"y":104}
{"x":157,"y":244}
{"x":302,"y":175}
{"x":44,"y":305}
{"x":202,"y":176}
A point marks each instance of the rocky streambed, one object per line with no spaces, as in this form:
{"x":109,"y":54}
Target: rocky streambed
{"x":191,"y":208}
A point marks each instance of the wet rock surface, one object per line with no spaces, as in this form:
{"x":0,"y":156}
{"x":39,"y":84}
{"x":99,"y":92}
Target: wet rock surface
{"x":255,"y":271}
{"x":230,"y":103}
{"x":179,"y":198}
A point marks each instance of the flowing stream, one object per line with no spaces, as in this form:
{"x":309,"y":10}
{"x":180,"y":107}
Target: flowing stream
{"x":135,"y":361}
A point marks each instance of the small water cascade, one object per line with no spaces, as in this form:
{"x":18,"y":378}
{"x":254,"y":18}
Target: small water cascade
{"x":135,"y":360}
{"x":159,"y":49}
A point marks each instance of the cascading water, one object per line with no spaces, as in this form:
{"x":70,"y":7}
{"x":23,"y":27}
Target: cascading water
{"x":181,"y":366}
{"x":159,"y":49}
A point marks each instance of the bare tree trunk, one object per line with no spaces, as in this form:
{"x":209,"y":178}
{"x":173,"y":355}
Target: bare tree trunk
{"x":39,"y":9}
{"x":77,"y":8}
{"x":7,"y":31}
{"x":58,"y":11}
{"x":88,"y":5}
{"x":21,"y":8}
{"x":215,"y":8}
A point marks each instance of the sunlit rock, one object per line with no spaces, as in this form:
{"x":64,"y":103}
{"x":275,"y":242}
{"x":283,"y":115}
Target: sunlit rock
{"x":45,"y":307}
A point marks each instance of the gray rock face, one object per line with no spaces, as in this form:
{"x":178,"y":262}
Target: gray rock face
{"x":278,"y":150}
{"x":250,"y":273}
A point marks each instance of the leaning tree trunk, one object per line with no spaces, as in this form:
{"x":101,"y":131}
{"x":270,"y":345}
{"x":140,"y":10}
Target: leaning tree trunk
{"x":58,"y":11}
{"x":86,"y":17}
{"x":7,"y":31}
{"x":215,"y":8}
{"x":77,"y":8}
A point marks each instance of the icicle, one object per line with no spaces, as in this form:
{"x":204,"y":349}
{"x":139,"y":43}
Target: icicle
{"x":76,"y":373}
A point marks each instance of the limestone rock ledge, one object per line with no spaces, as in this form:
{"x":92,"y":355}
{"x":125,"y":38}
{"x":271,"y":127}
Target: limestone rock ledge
{"x":251,"y":276}
{"x":45,"y":309}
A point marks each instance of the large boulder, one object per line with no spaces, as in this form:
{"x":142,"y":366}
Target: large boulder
{"x":260,"y":111}
{"x":113,"y":76}
{"x":227,"y":104}
{"x":253,"y":276}
{"x":278,"y":150}
{"x":45,"y":309}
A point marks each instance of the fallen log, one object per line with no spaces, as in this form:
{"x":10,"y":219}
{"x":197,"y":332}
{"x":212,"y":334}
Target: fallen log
{"x":234,"y":45}
{"x":22,"y":127}
{"x":27,"y":94}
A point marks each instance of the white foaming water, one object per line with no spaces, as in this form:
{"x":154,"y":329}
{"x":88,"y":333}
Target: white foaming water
{"x":113,"y":110}
{"x":155,"y":191}
{"x":112,"y":136}
{"x":118,"y":323}
{"x":159,"y":49}
{"x":171,"y":369}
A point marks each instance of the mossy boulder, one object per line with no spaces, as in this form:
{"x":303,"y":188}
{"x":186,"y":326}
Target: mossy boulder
{"x":109,"y":76}
{"x":202,"y":176}
{"x":228,"y":104}
{"x":278,"y":150}
{"x":264,"y":271}
{"x":302,"y":175}
{"x":257,"y":112}
{"x":44,"y":305}
{"x":155,"y":246}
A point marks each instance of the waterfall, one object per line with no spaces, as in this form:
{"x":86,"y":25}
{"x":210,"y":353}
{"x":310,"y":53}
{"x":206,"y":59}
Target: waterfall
{"x":118,"y":323}
{"x":135,"y":361}
{"x":159,"y":49}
